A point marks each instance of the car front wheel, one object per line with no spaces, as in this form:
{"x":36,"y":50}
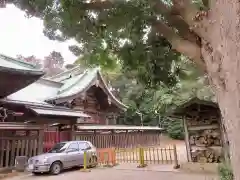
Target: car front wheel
{"x":56,"y":168}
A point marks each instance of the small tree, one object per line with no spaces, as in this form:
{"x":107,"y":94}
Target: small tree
{"x":53,"y":63}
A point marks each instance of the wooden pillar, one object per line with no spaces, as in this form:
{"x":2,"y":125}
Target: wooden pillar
{"x":113,"y":143}
{"x":72,"y":129}
{"x":114,"y":119}
{"x":107,"y":120}
{"x":40,"y":140}
{"x":188,"y":149}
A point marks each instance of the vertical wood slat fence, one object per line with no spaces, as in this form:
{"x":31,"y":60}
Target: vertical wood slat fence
{"x":151,"y":155}
{"x":19,"y":140}
{"x":120,"y":139}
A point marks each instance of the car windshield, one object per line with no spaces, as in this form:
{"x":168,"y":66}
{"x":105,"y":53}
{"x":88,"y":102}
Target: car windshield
{"x":82,"y":145}
{"x":58,"y":148}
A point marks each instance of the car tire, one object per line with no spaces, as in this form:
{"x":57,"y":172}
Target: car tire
{"x":56,"y":168}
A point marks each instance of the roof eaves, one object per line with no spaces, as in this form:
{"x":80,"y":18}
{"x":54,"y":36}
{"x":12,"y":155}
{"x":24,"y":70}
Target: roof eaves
{"x":57,"y":111}
{"x":16,"y":61}
{"x":26,"y":103}
{"x":118,"y":102}
{"x":22,"y":71}
{"x":195,"y":100}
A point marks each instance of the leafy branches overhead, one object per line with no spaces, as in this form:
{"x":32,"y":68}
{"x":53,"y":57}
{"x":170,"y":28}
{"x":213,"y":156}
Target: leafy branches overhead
{"x":140,"y":34}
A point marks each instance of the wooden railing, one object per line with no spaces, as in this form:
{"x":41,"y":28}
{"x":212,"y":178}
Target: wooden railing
{"x":120,"y":139}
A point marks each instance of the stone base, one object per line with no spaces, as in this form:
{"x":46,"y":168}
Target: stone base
{"x":85,"y":170}
{"x":142,"y":166}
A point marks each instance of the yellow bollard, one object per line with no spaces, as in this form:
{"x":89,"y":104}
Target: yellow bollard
{"x":141,"y":157}
{"x":85,"y":163}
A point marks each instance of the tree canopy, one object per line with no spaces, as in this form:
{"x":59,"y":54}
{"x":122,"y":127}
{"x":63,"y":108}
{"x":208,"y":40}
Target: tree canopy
{"x":139,"y":34}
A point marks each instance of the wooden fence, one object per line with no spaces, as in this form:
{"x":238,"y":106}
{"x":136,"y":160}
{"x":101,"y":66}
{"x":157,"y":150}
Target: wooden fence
{"x":120,"y":139}
{"x":19,"y":140}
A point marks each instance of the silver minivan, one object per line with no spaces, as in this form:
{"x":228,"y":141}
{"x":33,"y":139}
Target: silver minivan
{"x":63,"y":155}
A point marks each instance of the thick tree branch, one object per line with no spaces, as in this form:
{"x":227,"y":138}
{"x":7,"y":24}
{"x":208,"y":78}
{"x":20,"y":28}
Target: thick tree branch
{"x":191,"y":15}
{"x":175,"y":21}
{"x":186,"y":9}
{"x":189,"y":49}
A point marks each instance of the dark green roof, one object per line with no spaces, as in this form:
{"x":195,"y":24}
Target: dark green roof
{"x":15,"y":75}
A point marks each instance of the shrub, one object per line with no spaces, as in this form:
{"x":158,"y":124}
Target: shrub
{"x":225,"y":172}
{"x":175,"y":129}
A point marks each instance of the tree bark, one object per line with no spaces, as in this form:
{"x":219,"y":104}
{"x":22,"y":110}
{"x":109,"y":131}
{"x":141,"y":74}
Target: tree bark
{"x":221,"y":53}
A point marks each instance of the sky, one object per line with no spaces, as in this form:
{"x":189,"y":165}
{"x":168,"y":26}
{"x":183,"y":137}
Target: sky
{"x":20,"y":35}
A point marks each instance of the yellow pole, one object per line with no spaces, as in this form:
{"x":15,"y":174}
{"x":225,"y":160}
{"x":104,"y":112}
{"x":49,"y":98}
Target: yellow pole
{"x":85,"y":169}
{"x":85,"y":160}
{"x":141,"y":157}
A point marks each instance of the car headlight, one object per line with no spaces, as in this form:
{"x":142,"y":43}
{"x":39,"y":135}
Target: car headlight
{"x":45,"y":161}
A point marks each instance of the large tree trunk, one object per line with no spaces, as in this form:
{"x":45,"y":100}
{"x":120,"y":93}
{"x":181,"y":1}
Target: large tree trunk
{"x":222,"y":58}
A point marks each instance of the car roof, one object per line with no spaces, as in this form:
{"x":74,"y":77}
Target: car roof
{"x":75,"y":141}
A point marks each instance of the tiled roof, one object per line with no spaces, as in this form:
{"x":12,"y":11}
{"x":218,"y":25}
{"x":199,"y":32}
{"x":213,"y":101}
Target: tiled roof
{"x":36,"y":92}
{"x":68,"y":84}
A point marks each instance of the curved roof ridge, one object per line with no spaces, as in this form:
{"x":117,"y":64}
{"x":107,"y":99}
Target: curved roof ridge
{"x":45,"y":80}
{"x":64,"y":72}
{"x":66,"y":86}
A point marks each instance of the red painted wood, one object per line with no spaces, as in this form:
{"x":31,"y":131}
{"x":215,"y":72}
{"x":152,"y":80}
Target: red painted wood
{"x":53,"y":137}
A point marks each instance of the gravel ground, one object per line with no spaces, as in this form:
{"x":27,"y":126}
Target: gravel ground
{"x":118,"y":174}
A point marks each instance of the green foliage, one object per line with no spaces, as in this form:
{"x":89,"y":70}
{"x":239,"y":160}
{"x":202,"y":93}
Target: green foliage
{"x":110,"y":33}
{"x":175,"y":129}
{"x":225,"y":172}
{"x":154,"y":103}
